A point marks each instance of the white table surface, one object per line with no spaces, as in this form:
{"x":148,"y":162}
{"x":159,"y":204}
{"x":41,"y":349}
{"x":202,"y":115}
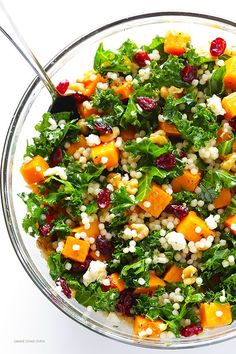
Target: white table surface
{"x":48,"y":25}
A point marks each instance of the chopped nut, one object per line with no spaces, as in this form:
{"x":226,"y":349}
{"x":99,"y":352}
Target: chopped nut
{"x":229,"y":163}
{"x":131,"y":185}
{"x":82,"y":124}
{"x":142,"y":231}
{"x":188,"y":275}
{"x":170,"y":91}
{"x":114,"y":179}
{"x":159,"y":137}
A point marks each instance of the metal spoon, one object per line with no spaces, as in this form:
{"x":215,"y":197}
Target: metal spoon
{"x":60,"y":103}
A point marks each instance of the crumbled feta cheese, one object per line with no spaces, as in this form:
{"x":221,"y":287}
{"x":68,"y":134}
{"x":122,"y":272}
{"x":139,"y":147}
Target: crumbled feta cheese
{"x":93,"y":140}
{"x":176,"y":240}
{"x":96,"y":271}
{"x":214,"y":103}
{"x":56,"y":171}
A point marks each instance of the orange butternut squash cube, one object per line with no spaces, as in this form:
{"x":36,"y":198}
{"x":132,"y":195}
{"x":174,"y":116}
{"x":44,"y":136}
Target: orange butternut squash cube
{"x":116,"y":282}
{"x":215,"y":315}
{"x":223,"y":199}
{"x":170,"y":129}
{"x":230,"y":74}
{"x":33,"y":171}
{"x":93,"y":231}
{"x":173,"y":274}
{"x":85,"y":112}
{"x":108,"y":151}
{"x":188,"y":224}
{"x":124,"y":90}
{"x":175,"y":43}
{"x":230,"y":222}
{"x":158,"y":200}
{"x":154,"y":282}
{"x":229,"y":105}
{"x":187,"y":181}
{"x":223,"y":136}
{"x":90,"y":82}
{"x":101,"y":257}
{"x":76,"y":249}
{"x":75,"y":146}
{"x":141,"y":324}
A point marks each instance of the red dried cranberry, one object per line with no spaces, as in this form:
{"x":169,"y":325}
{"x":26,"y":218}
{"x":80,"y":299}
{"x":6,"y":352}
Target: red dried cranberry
{"x":141,"y":57}
{"x":78,"y":267}
{"x":147,"y":104}
{"x":64,"y":287}
{"x":126,"y":302}
{"x":56,"y":157}
{"x":217,"y":47}
{"x":166,"y":161}
{"x":104,"y":128}
{"x":104,"y":198}
{"x":104,"y":246}
{"x":80,"y":98}
{"x":189,"y":73}
{"x":191,"y":330}
{"x":51,"y":215}
{"x":179,"y":211}
{"x":232,"y":123}
{"x":45,"y":229}
{"x":182,"y":154}
{"x":62,"y":86}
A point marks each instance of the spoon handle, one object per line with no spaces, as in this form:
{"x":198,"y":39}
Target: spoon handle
{"x":9,"y":29}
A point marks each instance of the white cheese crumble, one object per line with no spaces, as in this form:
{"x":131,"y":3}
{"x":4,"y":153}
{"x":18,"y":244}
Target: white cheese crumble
{"x":96,"y":271}
{"x":176,"y":240}
{"x":56,"y":171}
{"x":214,"y":103}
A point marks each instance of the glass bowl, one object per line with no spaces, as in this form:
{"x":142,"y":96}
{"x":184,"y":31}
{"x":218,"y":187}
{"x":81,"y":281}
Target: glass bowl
{"x":72,"y":61}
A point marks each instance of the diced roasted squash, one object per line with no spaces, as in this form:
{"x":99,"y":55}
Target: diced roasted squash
{"x":70,"y":249}
{"x":188,"y":225}
{"x":175,"y":43}
{"x":229,"y":104}
{"x":116,"y":282}
{"x":124,"y":90}
{"x":173,"y":274}
{"x":215,"y":315}
{"x":101,"y":257}
{"x":230,"y":222}
{"x":187,"y":181}
{"x":75,"y":146}
{"x":90,"y":82}
{"x":230,"y":74}
{"x":33,"y":171}
{"x":158,"y":200}
{"x":170,"y":129}
{"x":142,"y":324}
{"x":223,"y":199}
{"x":223,"y":136}
{"x":108,"y":151}
{"x":154,"y":282}
{"x":93,"y":231}
{"x":85,"y":112}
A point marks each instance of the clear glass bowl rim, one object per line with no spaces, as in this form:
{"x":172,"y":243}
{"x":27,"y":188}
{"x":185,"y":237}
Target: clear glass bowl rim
{"x":5,"y":193}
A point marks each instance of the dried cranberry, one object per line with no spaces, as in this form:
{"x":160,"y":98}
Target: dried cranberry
{"x":232,"y":123}
{"x":78,"y":267}
{"x":189,"y":73}
{"x":80,"y":98}
{"x":147,"y":104}
{"x":104,"y":198}
{"x":56,"y":157}
{"x":179,"y":211}
{"x":51,"y":215}
{"x":166,"y":161}
{"x":182,"y":154}
{"x":62,"y":86}
{"x":104,"y":246}
{"x":126,"y":302}
{"x":64,"y":287}
{"x":45,"y":229}
{"x":217,"y":47}
{"x":104,"y":128}
{"x":141,"y":57}
{"x":191,"y":330}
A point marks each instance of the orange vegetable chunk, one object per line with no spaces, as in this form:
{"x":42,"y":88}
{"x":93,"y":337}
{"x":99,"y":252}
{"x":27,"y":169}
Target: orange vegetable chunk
{"x":117,"y":282}
{"x":173,"y":274}
{"x":108,"y":150}
{"x":223,"y":136}
{"x":77,"y":255}
{"x":230,"y":222}
{"x":215,"y":315}
{"x":33,"y":171}
{"x":188,"y":224}
{"x":141,"y":324}
{"x":124,"y":90}
{"x":229,"y":105}
{"x":90,"y":85}
{"x":159,"y":200}
{"x":154,"y":282}
{"x":187,"y":181}
{"x":230,"y":74}
{"x":93,"y":231}
{"x":75,"y":146}
{"x":175,"y":43}
{"x":223,"y":199}
{"x":101,"y":257}
{"x":169,"y":128}
{"x":86,"y":112}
